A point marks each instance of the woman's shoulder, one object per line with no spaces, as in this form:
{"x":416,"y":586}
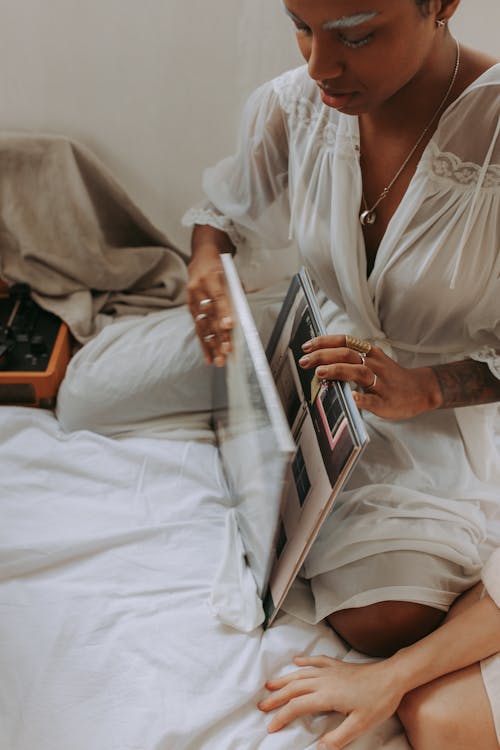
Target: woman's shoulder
{"x":296,"y":79}
{"x":469,"y":126}
{"x":285,"y":90}
{"x":482,"y":83}
{"x":488,"y":79}
{"x":300,"y":99}
{"x":473,"y":64}
{"x":297,"y":85}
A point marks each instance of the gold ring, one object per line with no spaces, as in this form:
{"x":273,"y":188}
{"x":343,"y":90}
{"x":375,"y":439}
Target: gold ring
{"x":372,"y":385}
{"x":359,"y":345}
{"x":205,"y":302}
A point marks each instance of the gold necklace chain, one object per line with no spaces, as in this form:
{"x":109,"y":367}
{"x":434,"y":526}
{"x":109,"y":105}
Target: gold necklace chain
{"x":369,"y":215}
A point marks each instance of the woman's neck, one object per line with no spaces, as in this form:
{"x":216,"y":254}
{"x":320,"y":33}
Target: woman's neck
{"x":411,"y":108}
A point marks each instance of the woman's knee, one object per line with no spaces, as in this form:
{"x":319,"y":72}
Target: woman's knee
{"x":452,"y":711}
{"x":381,"y":629}
{"x":424,"y":719}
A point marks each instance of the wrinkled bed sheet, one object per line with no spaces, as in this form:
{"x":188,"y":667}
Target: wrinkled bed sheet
{"x":108,"y":549}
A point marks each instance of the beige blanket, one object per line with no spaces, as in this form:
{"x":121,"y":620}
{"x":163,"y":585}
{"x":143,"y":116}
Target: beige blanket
{"x":70,"y":231}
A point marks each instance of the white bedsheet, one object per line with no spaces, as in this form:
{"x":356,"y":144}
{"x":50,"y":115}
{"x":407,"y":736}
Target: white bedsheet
{"x":108,"y":549}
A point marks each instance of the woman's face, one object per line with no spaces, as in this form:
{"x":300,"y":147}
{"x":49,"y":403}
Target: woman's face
{"x":362,"y":52}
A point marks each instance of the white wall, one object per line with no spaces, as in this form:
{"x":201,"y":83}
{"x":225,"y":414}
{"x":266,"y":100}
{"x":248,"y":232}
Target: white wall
{"x":155,"y":87}
{"x":477,"y":24}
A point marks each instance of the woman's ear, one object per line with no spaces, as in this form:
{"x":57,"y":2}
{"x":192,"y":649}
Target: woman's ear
{"x":445,"y":9}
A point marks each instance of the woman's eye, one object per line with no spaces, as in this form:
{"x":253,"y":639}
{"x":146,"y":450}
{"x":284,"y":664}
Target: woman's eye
{"x":301,"y":28}
{"x":355,"y":43}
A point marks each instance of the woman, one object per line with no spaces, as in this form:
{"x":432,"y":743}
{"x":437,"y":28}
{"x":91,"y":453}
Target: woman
{"x":382,"y":161}
{"x":451,"y":709}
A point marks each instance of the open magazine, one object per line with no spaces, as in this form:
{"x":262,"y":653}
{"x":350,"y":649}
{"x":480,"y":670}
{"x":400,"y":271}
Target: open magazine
{"x":288,"y":442}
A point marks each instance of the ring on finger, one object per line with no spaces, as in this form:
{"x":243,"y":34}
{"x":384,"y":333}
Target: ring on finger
{"x":359,"y":345}
{"x":209,"y":337}
{"x":205,"y":302}
{"x":362,"y":357}
{"x":200,"y":316}
{"x":372,"y":384}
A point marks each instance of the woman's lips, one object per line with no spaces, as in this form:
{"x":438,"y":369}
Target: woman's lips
{"x":336,"y":100}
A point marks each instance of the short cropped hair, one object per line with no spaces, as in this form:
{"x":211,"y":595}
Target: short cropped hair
{"x":423,"y":6}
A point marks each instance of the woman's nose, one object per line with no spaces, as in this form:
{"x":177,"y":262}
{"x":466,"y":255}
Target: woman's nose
{"x":324,"y":62}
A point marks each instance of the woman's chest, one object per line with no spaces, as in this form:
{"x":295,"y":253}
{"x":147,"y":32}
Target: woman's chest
{"x":386,"y":173}
{"x":422,"y":279}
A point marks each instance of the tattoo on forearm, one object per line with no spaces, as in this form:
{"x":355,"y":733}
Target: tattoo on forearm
{"x":466,"y":383}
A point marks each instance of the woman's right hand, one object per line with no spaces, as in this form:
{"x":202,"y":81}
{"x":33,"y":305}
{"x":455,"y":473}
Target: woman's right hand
{"x":207,"y":294}
{"x":367,"y":694}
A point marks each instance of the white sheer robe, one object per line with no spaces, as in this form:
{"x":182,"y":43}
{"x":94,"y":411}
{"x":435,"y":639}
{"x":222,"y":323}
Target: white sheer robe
{"x":412,"y":523}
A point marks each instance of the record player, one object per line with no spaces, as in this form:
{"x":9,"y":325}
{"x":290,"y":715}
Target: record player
{"x":35,"y":348}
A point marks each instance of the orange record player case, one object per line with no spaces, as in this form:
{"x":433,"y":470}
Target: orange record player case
{"x":36,"y":387}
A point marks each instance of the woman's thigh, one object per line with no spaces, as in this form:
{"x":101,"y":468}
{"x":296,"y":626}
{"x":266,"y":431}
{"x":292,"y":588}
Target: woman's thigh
{"x":382,"y":629}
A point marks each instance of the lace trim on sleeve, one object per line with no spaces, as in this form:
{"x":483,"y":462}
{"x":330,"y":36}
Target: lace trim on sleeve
{"x":489,"y":356}
{"x":448,"y":167}
{"x":209,"y":215}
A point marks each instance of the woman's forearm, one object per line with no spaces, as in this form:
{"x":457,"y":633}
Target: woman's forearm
{"x":206,"y":239}
{"x":465,"y":383}
{"x":470,"y":636}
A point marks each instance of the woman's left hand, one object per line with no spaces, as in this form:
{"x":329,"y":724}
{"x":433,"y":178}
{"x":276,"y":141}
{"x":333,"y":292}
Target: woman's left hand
{"x":366,"y":694}
{"x":389,"y":390}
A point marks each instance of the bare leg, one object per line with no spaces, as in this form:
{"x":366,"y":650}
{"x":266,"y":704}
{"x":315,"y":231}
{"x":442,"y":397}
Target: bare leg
{"x":454,"y":710}
{"x":451,"y":712}
{"x":383,"y":628}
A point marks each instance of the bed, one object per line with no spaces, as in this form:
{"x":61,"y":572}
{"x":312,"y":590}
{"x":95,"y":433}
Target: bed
{"x":108,"y":641}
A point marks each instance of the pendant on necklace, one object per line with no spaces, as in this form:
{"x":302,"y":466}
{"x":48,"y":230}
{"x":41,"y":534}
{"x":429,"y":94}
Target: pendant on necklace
{"x":368,"y":217}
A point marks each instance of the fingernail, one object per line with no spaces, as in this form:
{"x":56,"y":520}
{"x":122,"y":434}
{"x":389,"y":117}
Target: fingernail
{"x":304,"y":361}
{"x":320,"y":373}
{"x":307,"y":346}
{"x":226,"y":322}
{"x":219,"y":361}
{"x":225,"y":347}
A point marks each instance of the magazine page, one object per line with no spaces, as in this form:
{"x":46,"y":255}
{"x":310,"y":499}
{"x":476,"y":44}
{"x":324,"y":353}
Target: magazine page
{"x":255,"y":442}
{"x":287,"y":441}
{"x":328,"y":433}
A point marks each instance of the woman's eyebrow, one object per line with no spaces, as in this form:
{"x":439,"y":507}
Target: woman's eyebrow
{"x":345,"y":22}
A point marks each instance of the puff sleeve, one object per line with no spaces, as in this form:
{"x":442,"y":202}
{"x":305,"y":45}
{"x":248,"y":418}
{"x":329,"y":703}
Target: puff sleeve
{"x":248,"y":191}
{"x":481,"y":232}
